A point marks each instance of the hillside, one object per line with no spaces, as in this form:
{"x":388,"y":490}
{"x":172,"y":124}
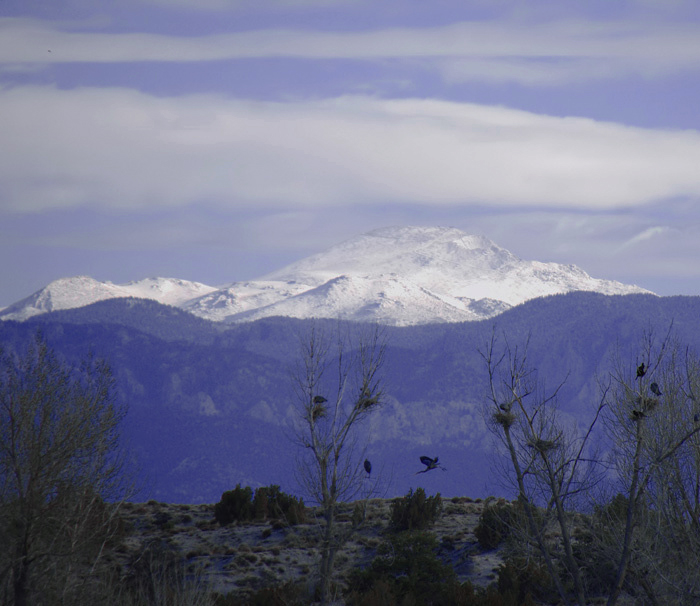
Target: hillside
{"x":209,"y":408}
{"x":243,"y":558}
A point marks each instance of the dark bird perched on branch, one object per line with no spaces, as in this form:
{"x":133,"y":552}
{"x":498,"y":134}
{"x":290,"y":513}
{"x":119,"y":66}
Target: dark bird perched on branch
{"x":637,"y":414}
{"x":319,"y":400}
{"x":641,"y":370}
{"x":430,"y":464}
{"x":368,"y":467}
{"x":655,"y":389}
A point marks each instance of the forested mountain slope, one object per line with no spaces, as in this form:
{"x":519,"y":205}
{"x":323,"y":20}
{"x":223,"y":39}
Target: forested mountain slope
{"x":210,"y":407}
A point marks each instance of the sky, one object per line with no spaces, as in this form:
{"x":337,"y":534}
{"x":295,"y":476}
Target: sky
{"x":219,"y":140}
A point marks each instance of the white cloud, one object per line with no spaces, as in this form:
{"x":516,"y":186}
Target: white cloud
{"x":116,"y":148}
{"x":543,"y":53}
{"x":237,"y":4}
{"x":534,"y":71}
{"x":661,"y":259}
{"x":220,"y":5}
{"x":645,"y":236}
{"x":532,"y":7}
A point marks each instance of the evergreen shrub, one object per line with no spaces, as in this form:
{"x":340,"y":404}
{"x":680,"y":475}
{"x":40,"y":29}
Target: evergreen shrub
{"x":407,"y":570}
{"x":495,"y":523}
{"x":235,"y":506}
{"x":269,"y":503}
{"x":415,"y":511}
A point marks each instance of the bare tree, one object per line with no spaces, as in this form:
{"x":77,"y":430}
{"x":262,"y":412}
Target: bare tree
{"x":337,"y":387}
{"x":58,"y":439}
{"x":653,"y":423}
{"x":551,"y":463}
{"x":649,"y":535}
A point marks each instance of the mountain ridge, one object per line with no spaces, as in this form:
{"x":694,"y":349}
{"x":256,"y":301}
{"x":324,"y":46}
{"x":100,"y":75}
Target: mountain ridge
{"x":398,"y":276}
{"x":209,"y":402}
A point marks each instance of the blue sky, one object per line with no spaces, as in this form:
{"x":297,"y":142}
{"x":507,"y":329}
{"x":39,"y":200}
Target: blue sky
{"x":218,"y":140}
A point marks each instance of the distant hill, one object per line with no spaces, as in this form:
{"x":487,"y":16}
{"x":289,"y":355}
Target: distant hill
{"x":209,"y":405}
{"x":146,"y":315}
{"x":79,"y":291}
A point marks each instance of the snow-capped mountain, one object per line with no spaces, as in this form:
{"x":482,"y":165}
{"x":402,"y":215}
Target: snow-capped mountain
{"x":401,"y":276}
{"x":397,"y":276}
{"x":68,"y":293}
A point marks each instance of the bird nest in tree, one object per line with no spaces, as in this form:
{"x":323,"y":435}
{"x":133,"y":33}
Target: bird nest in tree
{"x":643,"y":406}
{"x":505,"y":419}
{"x":318,"y":411}
{"x":649,"y":404}
{"x":541,"y":445}
{"x":365,"y":402}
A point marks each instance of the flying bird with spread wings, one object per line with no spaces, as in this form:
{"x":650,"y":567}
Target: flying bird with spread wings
{"x":430,"y":464}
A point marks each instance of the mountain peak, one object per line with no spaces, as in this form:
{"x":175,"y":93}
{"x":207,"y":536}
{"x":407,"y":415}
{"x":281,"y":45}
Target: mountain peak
{"x":445,"y":275}
{"x":393,"y":275}
{"x":406,"y":251}
{"x":430,"y":235}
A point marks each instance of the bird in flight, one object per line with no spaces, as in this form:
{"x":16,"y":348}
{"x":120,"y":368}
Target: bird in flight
{"x":430,"y":464}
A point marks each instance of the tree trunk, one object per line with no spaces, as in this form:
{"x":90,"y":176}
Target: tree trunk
{"x":630,"y":522}
{"x":565,"y":535}
{"x":327,"y":557}
{"x":20,"y":583}
{"x":522,"y":497}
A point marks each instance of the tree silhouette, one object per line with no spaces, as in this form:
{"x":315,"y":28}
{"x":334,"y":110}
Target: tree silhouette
{"x":336,"y":389}
{"x":59,"y":464}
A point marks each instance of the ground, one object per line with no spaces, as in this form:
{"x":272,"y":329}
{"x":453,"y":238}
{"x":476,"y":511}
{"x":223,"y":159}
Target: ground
{"x":242,"y":558}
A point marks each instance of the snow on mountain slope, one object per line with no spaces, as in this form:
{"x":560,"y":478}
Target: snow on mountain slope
{"x":423,"y":254}
{"x":384,"y":299}
{"x":167,"y":290}
{"x":406,"y":275}
{"x":68,"y":293}
{"x":397,"y":275}
{"x":447,"y":261}
{"x":243,"y":297}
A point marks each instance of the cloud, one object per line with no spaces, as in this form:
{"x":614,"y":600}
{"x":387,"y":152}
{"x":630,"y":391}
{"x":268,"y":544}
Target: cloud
{"x":659,"y":260}
{"x":219,"y":5}
{"x":644,"y":236}
{"x":533,"y":71}
{"x":122,"y":149}
{"x":532,"y":7}
{"x":533,"y":54}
